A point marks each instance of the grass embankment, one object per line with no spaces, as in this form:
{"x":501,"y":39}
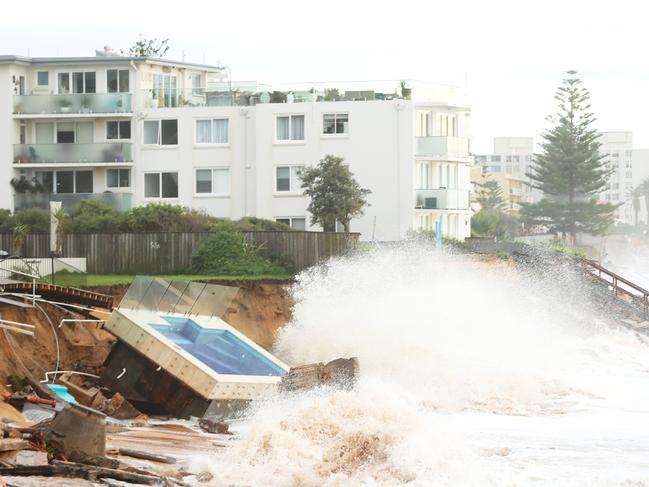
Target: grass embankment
{"x":92,"y":280}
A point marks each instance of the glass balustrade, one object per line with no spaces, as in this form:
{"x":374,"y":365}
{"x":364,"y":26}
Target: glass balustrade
{"x":72,"y":153}
{"x":119,"y":201}
{"x":73,"y":103}
{"x":442,"y":199}
{"x":442,"y":147}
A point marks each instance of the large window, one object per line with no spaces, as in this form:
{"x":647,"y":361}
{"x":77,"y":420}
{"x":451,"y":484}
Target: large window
{"x":161,"y":185}
{"x":118,"y":130}
{"x":165,"y":90}
{"x":288,"y":178}
{"x":118,"y":178}
{"x":66,"y":182}
{"x":214,"y":131}
{"x":161,"y":132}
{"x":335,"y":123}
{"x":214,"y":181}
{"x":117,"y":80}
{"x":298,"y":223}
{"x":77,"y":82}
{"x":290,"y":127}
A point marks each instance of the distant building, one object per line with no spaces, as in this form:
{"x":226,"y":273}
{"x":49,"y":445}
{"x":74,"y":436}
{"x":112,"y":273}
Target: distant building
{"x":631,"y":167}
{"x":513,"y":156}
{"x":512,"y":187}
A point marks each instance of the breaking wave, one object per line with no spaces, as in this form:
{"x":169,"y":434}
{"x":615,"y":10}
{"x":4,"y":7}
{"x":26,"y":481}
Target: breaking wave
{"x":444,"y":342}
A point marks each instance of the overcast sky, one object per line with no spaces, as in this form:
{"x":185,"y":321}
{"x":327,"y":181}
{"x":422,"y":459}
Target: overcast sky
{"x":511,"y":54}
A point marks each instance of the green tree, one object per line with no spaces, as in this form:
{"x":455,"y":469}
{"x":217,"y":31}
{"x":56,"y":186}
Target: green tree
{"x":335,"y":194}
{"x":144,"y":47}
{"x":489,"y":193}
{"x":570,"y":171}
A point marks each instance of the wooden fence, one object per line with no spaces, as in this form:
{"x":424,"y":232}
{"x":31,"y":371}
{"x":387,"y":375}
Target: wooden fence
{"x":168,"y":253}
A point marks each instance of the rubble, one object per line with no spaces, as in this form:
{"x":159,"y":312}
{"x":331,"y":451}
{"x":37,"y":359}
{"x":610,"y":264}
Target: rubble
{"x":340,"y":372}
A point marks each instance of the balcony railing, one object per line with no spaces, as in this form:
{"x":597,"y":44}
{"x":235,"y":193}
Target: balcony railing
{"x":119,"y":201}
{"x":73,"y":103}
{"x":72,"y":153}
{"x":442,"y":199}
{"x":192,"y":97}
{"x":442,"y":147}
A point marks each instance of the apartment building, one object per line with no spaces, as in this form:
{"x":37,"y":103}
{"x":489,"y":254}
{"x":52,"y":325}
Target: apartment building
{"x":129,"y":131}
{"x":510,"y":185}
{"x":514,"y":156}
{"x":630,"y":167}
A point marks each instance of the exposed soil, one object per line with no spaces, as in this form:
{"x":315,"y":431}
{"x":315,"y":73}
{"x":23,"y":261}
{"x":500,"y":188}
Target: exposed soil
{"x":258,"y":311}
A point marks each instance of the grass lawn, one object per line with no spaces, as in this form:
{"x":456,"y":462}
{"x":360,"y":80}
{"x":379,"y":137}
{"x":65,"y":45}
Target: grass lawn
{"x":91,"y":280}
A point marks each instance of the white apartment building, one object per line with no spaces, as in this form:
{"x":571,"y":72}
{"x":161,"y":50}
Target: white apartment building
{"x":130,"y":131}
{"x":631,"y":167}
{"x":512,"y":155}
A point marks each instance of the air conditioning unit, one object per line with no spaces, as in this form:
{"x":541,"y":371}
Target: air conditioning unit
{"x":430,"y":203}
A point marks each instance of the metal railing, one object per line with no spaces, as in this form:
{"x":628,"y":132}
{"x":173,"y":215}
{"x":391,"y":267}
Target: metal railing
{"x":618,"y":284}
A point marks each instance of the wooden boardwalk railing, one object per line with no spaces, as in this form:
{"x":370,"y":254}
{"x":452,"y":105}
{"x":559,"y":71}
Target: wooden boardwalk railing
{"x":618,"y":284}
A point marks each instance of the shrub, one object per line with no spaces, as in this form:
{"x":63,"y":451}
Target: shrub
{"x":226,"y":253}
{"x":37,"y":219}
{"x":94,"y":217}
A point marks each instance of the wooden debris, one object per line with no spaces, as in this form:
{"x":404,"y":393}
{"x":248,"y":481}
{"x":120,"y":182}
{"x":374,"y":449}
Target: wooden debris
{"x":340,"y":373}
{"x":146,"y":456}
{"x":12,"y":444}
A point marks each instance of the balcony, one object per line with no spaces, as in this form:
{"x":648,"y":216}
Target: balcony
{"x":192,"y":97}
{"x":442,"y":147}
{"x":442,"y":199}
{"x":72,"y":153}
{"x":70,"y":202}
{"x":73,"y":103}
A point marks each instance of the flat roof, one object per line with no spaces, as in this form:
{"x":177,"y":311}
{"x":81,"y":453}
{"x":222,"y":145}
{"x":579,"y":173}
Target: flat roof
{"x":11,"y":59}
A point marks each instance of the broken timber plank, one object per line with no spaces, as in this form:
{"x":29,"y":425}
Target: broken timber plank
{"x":146,"y":456}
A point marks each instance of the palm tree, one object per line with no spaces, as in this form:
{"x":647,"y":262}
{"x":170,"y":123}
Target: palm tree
{"x":20,"y":232}
{"x":59,"y":216}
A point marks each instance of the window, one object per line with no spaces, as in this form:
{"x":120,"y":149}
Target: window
{"x":629,"y":174}
{"x":615,"y":154}
{"x":495,"y":158}
{"x":288,"y":178}
{"x":508,"y":159}
{"x":118,"y":178}
{"x":298,"y":223}
{"x":161,"y":185}
{"x":77,"y":82}
{"x":335,"y":123}
{"x":164,"y":89}
{"x":528,"y":158}
{"x":616,"y":186}
{"x":196,"y":84}
{"x":66,"y":182}
{"x":516,"y":159}
{"x":213,"y":181}
{"x":213,"y":131}
{"x":161,"y":132}
{"x":117,"y":80}
{"x":290,"y":127}
{"x":423,"y":123}
{"x":74,"y":132}
{"x":43,"y":78}
{"x":118,"y":130}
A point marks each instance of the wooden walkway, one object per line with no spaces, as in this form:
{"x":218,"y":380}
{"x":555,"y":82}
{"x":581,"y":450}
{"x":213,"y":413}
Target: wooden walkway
{"x":63,"y":294}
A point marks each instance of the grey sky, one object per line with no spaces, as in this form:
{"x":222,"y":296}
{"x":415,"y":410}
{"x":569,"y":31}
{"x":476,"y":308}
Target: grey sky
{"x":512,"y":53}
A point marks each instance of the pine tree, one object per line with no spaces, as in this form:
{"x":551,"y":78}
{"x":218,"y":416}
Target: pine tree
{"x":490,"y":194}
{"x":570,"y":171}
